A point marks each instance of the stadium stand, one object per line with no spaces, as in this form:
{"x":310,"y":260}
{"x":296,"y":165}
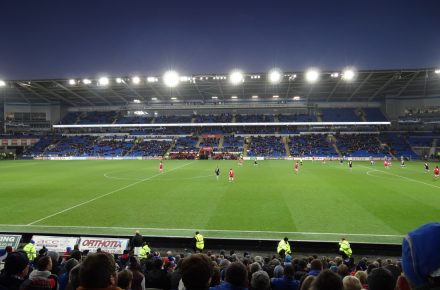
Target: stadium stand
{"x":267,"y":146}
{"x":339,"y":115}
{"x":311,"y":145}
{"x":360,"y":145}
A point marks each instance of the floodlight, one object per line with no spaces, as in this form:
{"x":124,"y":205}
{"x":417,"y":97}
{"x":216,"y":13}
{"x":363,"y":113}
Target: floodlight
{"x":87,"y":81}
{"x":103,"y":81}
{"x":214,"y":97}
{"x":72,"y":82}
{"x":348,"y":75}
{"x":184,"y":78}
{"x":275,"y":97}
{"x":136,"y":80}
{"x":292,"y":77}
{"x":118,"y":80}
{"x":171,"y":78}
{"x":136,"y":101}
{"x":139,"y":112}
{"x":236,"y":77}
{"x":312,"y":75}
{"x":437,"y":71}
{"x":234,"y":97}
{"x":152,"y":79}
{"x":296,"y":98}
{"x":154,"y":99}
{"x":2,"y":83}
{"x":335,"y":75}
{"x":155,"y":113}
{"x":173,"y":98}
{"x":275,"y":76}
{"x":254,"y":97}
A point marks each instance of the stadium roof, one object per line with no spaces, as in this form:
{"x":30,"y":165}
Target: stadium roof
{"x":367,"y":85}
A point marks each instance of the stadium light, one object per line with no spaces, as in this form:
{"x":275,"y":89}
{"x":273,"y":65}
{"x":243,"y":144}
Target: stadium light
{"x":173,"y":98}
{"x":214,"y":97}
{"x":154,"y":99}
{"x":255,"y":97}
{"x":87,"y":81}
{"x":348,"y":75}
{"x":236,"y":77}
{"x":72,"y":82}
{"x":275,"y":76}
{"x":136,"y":80}
{"x":437,"y":71}
{"x":118,"y":80}
{"x":334,"y":75}
{"x":2,"y":83}
{"x":275,"y":97}
{"x":136,"y":101}
{"x":103,"y":81}
{"x":234,"y":97}
{"x":171,"y":78}
{"x":312,"y":75}
{"x":185,"y":78}
{"x":296,"y":98}
{"x":152,"y":79}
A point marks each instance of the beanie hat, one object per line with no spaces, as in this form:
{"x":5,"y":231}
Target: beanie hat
{"x":421,"y":254}
{"x":15,"y":263}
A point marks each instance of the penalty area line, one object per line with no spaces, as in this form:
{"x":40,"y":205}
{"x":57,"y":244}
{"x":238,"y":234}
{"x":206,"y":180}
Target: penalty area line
{"x":397,"y":175}
{"x":104,"y":195}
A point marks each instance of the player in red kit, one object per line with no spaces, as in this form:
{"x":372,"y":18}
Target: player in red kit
{"x":436,"y":172}
{"x":296,"y":167}
{"x":231,"y":175}
{"x":161,"y":166}
{"x":385,"y":163}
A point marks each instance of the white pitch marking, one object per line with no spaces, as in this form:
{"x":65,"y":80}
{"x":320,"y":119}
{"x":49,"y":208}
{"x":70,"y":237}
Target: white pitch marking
{"x":410,"y":179}
{"x":202,"y":230}
{"x":104,"y":195}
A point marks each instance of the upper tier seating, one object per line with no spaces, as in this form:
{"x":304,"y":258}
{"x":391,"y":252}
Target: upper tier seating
{"x":311,"y":145}
{"x":374,"y":115}
{"x":339,"y":115}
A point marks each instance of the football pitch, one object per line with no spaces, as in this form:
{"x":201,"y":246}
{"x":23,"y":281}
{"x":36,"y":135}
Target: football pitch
{"x":266,"y":201}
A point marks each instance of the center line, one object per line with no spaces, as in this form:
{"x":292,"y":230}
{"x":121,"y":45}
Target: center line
{"x":105,"y":194}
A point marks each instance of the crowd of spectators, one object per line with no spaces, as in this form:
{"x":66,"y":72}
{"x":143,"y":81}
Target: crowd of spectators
{"x":266,"y":146}
{"x":418,"y":269}
{"x":311,"y":145}
{"x":210,"y":142}
{"x":360,"y":145}
{"x":151,"y":148}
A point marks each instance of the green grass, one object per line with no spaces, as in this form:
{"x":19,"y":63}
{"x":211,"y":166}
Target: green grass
{"x":268,"y":201}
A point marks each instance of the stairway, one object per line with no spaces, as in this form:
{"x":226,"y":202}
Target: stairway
{"x":199,"y":141}
{"x":133,"y":147}
{"x":246,"y":146}
{"x":220,"y":143}
{"x":285,"y":140}
{"x":433,"y":147}
{"x":332,"y":140}
{"x":362,"y":115}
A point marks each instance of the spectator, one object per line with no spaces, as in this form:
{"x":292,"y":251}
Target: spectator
{"x":43,"y":271}
{"x":236,"y":277}
{"x":98,"y":271}
{"x":15,"y":270}
{"x":64,"y":278}
{"x":327,"y":280}
{"x":421,"y":257}
{"x":287,"y":282}
{"x":73,"y":283}
{"x":136,"y":243}
{"x":315,"y":267}
{"x":30,"y":250}
{"x":351,"y":283}
{"x":307,"y":283}
{"x":125,"y":278}
{"x":138,"y":281}
{"x":380,"y":279}
{"x":197,"y":271}
{"x":157,"y":277}
{"x":260,"y":281}
{"x":362,"y":276}
{"x":36,"y":284}
{"x":4,"y":253}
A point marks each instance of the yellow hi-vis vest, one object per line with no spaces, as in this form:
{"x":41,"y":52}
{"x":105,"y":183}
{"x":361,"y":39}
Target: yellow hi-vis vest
{"x":344,"y":246}
{"x":145,"y":250}
{"x":283,"y":245}
{"x":31,"y":252}
{"x":200,"y":244}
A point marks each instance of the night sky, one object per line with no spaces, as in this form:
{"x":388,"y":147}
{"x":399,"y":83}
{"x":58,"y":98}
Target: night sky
{"x":89,"y":38}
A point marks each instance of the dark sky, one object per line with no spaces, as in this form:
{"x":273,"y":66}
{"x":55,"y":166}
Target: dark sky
{"x":87,"y":38}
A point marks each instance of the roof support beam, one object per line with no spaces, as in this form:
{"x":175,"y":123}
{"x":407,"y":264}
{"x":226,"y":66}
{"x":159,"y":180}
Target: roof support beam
{"x":75,"y":94}
{"x":382,"y":88}
{"x":360,"y":86}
